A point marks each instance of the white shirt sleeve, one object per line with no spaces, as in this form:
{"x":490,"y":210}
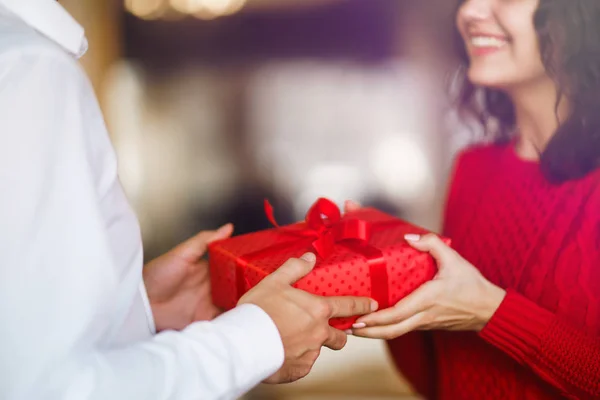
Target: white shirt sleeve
{"x":58,"y":282}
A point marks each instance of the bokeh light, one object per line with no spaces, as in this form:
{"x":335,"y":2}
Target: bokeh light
{"x":174,"y":9}
{"x":146,"y":9}
{"x":223,"y":7}
{"x":187,"y":6}
{"x":401,"y":167}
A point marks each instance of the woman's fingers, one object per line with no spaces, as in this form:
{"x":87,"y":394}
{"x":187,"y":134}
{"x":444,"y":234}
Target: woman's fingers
{"x":420,"y":300}
{"x":389,"y":332}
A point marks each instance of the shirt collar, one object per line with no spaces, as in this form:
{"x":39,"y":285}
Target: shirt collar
{"x":52,"y":20}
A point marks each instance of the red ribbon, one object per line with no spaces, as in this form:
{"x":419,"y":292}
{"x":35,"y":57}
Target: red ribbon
{"x":324,"y":222}
{"x":324,"y":229}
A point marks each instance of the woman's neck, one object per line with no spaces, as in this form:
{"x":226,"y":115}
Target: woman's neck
{"x":537,"y":116}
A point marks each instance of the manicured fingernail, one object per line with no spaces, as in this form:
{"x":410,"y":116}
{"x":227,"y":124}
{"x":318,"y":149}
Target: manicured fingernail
{"x":348,"y":331}
{"x":309,"y":257}
{"x":359,"y":325}
{"x":411,"y":237}
{"x":374,"y":305}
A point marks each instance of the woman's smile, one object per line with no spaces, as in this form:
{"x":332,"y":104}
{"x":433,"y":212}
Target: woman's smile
{"x":482,"y":43}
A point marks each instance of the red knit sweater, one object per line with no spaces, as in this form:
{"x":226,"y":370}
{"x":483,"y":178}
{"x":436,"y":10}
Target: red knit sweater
{"x":541,"y":242}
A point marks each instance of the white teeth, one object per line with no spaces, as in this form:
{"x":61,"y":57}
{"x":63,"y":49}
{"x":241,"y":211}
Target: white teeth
{"x":487,"y":41}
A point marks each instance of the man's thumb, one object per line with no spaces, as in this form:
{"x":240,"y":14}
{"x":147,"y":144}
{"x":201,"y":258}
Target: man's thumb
{"x":295,"y":269}
{"x":222,"y":233}
{"x":197,"y":245}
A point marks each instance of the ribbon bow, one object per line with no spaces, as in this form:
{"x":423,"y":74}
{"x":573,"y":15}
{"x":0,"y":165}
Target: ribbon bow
{"x":327,"y":225}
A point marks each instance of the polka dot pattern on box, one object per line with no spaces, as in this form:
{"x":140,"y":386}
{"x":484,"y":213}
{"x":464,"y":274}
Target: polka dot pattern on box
{"x":345,"y":272}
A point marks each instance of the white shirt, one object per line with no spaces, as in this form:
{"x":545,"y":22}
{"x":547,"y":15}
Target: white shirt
{"x":75,"y":322}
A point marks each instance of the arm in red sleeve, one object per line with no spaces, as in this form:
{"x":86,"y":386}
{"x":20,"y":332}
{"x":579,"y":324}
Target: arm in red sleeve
{"x":567,"y":358}
{"x":414,"y":356}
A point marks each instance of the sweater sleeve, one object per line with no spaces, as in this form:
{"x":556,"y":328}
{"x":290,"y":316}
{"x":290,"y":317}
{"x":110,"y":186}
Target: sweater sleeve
{"x":562,"y":355}
{"x":414,"y":357}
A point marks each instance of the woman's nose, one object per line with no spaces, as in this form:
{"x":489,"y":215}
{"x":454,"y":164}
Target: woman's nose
{"x":476,"y":9}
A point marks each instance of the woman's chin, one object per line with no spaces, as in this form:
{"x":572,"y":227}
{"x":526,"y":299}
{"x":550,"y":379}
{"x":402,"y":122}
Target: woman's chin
{"x":489,"y":79}
{"x":506,"y":80}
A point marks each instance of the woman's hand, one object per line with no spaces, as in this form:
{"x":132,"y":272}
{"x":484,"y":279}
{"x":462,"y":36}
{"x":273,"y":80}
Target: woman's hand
{"x":459,"y":298}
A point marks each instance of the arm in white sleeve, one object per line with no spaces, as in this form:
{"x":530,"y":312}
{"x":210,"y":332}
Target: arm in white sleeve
{"x":58,"y":282}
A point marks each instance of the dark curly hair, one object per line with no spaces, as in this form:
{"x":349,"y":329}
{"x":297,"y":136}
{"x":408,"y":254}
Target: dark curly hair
{"x":569,"y":37}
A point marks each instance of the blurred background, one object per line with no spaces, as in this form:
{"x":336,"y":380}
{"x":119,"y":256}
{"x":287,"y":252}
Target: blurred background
{"x":214,"y":105}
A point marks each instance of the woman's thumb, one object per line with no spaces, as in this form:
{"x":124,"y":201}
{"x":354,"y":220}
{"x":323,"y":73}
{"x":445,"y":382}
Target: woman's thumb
{"x":429,"y":243}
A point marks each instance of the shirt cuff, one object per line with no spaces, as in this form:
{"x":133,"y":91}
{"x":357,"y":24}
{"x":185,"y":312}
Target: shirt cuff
{"x":256,"y":338}
{"x":517,"y":326}
{"x":148,"y":308}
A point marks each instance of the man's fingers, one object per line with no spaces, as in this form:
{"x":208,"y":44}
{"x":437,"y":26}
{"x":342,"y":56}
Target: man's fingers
{"x":350,"y":205}
{"x":336,"y":340}
{"x":195,"y":247}
{"x":294,"y":269}
{"x":349,"y":306}
{"x":429,"y":243}
{"x":389,"y":332}
{"x":205,"y":238}
{"x":418,"y":301}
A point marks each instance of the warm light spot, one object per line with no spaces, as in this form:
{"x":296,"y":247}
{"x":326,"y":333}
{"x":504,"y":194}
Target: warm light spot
{"x":400,"y":166}
{"x":205,"y":14}
{"x":187,"y":6}
{"x":177,"y":9}
{"x":146,"y":9}
{"x":223,"y":7}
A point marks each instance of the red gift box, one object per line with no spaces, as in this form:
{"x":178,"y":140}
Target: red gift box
{"x":362,"y":253}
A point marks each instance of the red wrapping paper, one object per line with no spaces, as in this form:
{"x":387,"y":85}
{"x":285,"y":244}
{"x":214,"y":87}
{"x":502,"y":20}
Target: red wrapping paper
{"x":362,"y":253}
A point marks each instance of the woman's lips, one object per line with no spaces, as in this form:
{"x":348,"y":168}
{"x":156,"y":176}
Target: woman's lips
{"x":484,"y":44}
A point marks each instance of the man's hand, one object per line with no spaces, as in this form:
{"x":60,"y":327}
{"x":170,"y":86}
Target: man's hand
{"x":178,"y":283}
{"x":302,"y":318}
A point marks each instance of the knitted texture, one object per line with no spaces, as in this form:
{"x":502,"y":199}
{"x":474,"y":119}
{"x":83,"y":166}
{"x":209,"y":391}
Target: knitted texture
{"x":541,"y":242}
